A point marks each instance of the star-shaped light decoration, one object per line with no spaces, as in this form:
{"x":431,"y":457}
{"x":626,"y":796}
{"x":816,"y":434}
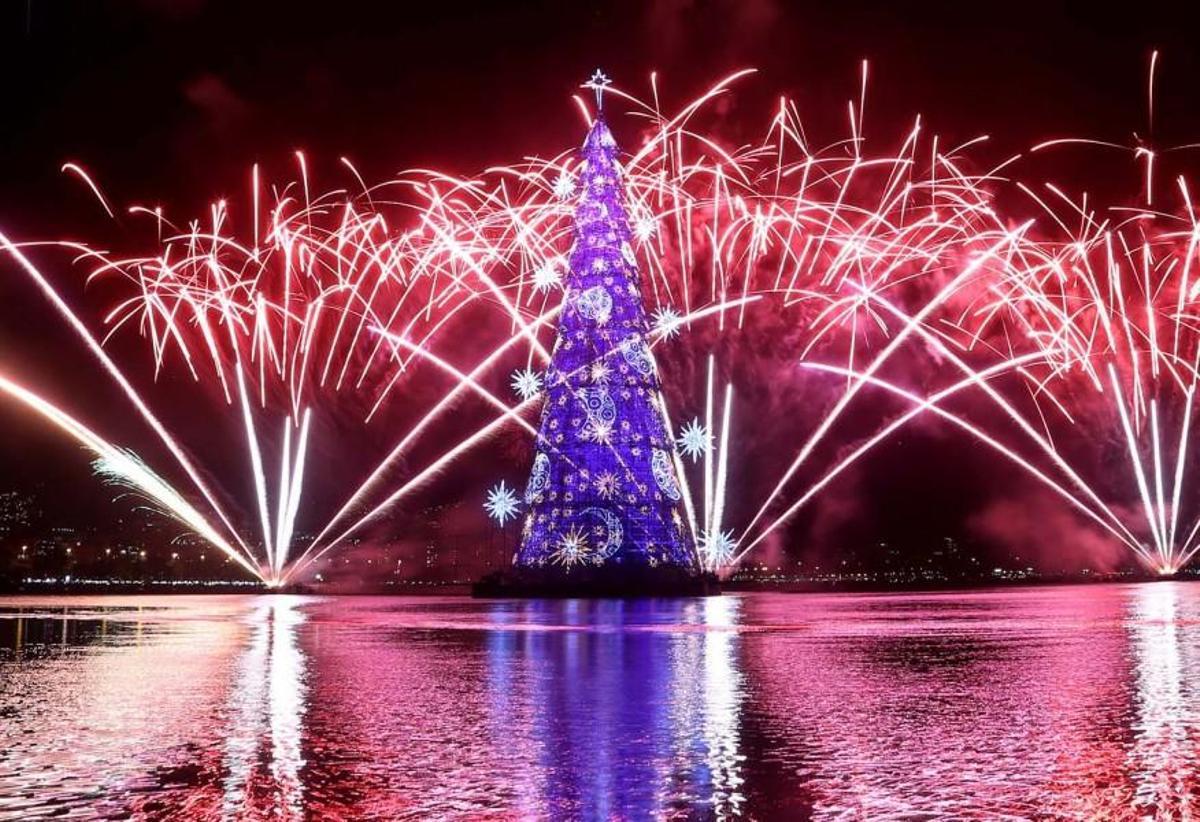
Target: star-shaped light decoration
{"x":606,"y":484}
{"x":598,"y":82}
{"x":501,"y":503}
{"x":598,"y":431}
{"x":572,"y":548}
{"x":694,"y":439}
{"x":527,"y":383}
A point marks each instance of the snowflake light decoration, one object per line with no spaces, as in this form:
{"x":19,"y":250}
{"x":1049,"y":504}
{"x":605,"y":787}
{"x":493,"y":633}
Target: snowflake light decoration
{"x":718,"y":547}
{"x":600,"y":371}
{"x":694,"y":439}
{"x":501,"y":503}
{"x":546,"y":277}
{"x":667,"y":322}
{"x":527,"y":383}
{"x":564,"y":185}
{"x":644,"y":227}
{"x":572,"y":548}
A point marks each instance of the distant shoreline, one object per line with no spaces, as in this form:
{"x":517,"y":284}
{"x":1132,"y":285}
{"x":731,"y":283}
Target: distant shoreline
{"x":223,"y":587}
{"x":190,"y":588}
{"x":867,"y":587}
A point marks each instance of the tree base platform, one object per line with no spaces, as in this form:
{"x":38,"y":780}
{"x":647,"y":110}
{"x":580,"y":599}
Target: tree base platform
{"x":616,"y":583}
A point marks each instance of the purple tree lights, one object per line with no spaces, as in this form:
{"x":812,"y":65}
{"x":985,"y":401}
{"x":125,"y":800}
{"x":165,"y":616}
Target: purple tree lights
{"x":603,"y":495}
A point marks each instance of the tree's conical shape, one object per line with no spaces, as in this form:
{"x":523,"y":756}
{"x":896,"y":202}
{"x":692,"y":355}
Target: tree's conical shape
{"x":604,"y":490}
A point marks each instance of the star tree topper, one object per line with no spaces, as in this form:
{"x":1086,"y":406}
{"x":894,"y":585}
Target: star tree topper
{"x":598,"y":82}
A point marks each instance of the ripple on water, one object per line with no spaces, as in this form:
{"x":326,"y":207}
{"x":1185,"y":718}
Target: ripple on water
{"x":1071,"y":702}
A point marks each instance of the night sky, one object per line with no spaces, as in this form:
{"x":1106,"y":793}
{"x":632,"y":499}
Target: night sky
{"x":172,"y":101}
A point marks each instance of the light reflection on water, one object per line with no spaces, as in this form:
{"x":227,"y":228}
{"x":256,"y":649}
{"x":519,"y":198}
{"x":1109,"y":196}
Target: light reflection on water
{"x":1071,"y":702}
{"x":1163,"y":761}
{"x":267,"y":706}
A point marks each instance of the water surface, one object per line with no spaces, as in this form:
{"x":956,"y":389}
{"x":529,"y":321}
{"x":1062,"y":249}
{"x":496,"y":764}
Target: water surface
{"x":1070,"y":702}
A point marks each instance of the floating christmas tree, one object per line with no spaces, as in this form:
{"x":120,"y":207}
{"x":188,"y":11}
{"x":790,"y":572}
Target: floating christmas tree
{"x":603,"y":496}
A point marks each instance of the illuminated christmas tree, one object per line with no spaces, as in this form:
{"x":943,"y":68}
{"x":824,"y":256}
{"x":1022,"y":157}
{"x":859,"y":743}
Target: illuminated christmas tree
{"x":603,"y":495}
